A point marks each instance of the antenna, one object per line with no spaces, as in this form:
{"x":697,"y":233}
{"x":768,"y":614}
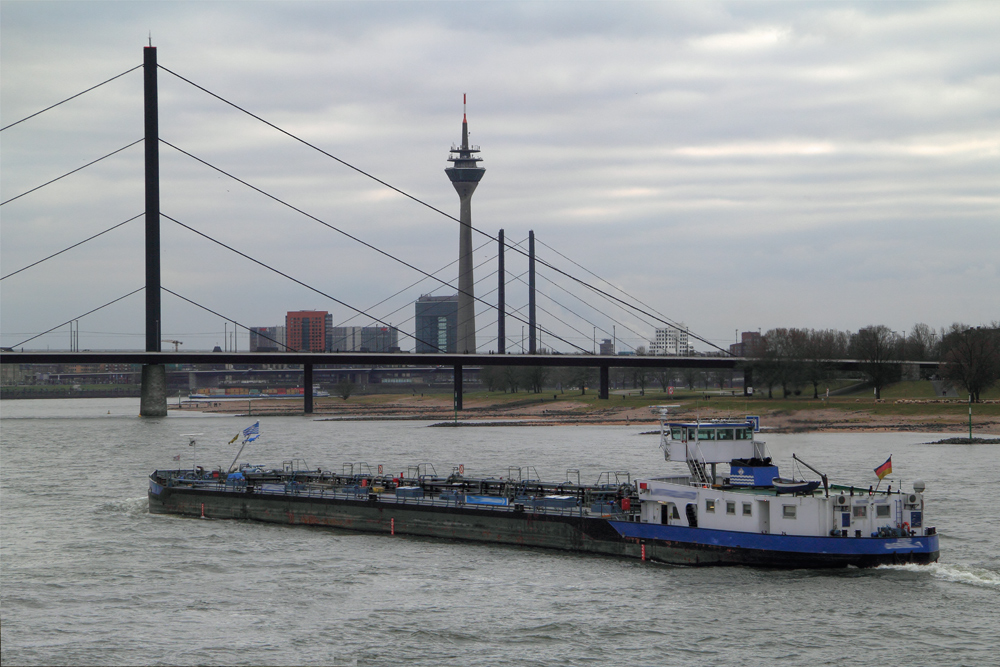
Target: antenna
{"x":463,"y":107}
{"x":194,"y":452}
{"x":151,"y":38}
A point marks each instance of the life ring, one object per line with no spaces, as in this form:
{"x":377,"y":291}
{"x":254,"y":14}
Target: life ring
{"x":906,"y":527}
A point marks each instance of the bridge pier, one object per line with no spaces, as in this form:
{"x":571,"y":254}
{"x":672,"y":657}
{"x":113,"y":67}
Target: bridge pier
{"x":307,"y":389}
{"x":153,"y":396}
{"x":603,"y":391}
{"x":458,"y":387}
{"x":747,"y":381}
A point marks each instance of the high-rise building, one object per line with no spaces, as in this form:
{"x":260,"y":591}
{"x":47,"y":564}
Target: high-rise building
{"x":267,"y":339}
{"x":607,"y":347}
{"x":362,"y":339}
{"x":749,"y":345}
{"x":436,"y":323}
{"x":672,"y":340}
{"x":306,"y":330}
{"x":465,"y":175}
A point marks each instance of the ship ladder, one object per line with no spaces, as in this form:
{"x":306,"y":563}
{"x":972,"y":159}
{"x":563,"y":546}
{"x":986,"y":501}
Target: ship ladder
{"x":698,"y":471}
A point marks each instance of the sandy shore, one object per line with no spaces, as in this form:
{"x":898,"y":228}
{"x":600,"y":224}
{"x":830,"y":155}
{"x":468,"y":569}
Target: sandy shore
{"x":477,"y":412}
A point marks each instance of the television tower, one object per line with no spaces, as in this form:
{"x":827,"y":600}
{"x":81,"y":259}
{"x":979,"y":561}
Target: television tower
{"x":465,"y":175}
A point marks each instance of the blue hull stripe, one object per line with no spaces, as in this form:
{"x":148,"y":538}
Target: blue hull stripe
{"x":847,"y":546}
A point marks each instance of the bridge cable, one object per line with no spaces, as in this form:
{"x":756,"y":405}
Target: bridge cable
{"x":78,"y":317}
{"x":405,"y":305}
{"x":334,"y":228}
{"x":430,"y":206}
{"x":70,"y":98}
{"x":607,"y":282}
{"x":72,"y":172}
{"x":561,"y":305}
{"x":281,"y":273}
{"x":229,"y":319}
{"x":602,"y":329}
{"x":556,"y":317}
{"x":72,"y":246}
{"x":411,"y":286}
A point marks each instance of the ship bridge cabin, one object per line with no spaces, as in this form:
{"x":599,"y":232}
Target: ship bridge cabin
{"x":703,"y":445}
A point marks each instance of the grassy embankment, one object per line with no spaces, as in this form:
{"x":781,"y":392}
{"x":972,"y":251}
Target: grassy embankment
{"x":896,"y":401}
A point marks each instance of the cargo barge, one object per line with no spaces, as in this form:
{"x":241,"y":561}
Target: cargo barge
{"x":749,"y":517}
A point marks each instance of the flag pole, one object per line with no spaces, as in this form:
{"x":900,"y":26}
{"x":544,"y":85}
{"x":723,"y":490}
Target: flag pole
{"x":233,"y":464}
{"x":881,"y":477}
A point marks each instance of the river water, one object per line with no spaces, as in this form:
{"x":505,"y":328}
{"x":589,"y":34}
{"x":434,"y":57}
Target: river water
{"x":88,"y":576}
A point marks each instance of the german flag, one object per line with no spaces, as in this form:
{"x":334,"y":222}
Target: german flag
{"x":885,"y":468}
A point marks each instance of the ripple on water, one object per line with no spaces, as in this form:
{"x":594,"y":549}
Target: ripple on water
{"x":952,"y":572}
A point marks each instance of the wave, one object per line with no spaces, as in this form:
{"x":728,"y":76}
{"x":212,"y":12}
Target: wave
{"x":129,"y":506}
{"x":957,"y":573}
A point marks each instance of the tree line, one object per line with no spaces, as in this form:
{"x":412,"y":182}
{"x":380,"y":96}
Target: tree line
{"x":789,"y":359}
{"x":968,"y":357}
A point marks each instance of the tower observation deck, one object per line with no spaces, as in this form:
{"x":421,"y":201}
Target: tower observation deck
{"x":465,"y":174}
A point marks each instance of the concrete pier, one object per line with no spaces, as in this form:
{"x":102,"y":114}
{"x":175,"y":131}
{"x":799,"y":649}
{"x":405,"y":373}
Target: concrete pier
{"x":153,"y":401}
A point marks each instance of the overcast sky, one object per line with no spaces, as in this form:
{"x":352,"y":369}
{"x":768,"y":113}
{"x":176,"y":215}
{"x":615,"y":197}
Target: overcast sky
{"x":734,"y":166}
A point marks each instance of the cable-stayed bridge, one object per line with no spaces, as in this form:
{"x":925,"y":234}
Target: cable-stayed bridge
{"x":585,"y":315}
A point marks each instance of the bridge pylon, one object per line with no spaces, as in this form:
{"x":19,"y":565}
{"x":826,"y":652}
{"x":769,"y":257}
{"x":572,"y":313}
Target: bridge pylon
{"x":153,"y":401}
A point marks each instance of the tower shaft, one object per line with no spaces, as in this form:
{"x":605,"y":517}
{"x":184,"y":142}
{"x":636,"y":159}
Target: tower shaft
{"x":465,"y":176}
{"x":466,"y":282}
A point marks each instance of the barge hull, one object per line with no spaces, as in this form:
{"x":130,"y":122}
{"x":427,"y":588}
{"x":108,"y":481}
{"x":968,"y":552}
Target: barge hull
{"x":566,"y":532}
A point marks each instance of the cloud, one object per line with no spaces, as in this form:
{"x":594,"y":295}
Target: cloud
{"x":804,"y":165}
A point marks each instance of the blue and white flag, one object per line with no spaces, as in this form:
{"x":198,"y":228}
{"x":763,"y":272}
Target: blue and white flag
{"x":251,"y":433}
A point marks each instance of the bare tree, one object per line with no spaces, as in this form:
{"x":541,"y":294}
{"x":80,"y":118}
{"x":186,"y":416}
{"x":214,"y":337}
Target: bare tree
{"x":691,"y":377}
{"x":664,"y":376}
{"x":821,"y":348}
{"x":876,"y":347}
{"x":579,"y":378}
{"x":512,"y":378}
{"x":921,"y":344}
{"x":535,"y":377}
{"x":344,"y":388}
{"x":972,"y":358}
{"x":492,"y":377}
{"x":784,"y":350}
{"x":640,"y":378}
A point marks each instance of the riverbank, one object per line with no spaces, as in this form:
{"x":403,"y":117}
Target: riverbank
{"x":781,"y":416}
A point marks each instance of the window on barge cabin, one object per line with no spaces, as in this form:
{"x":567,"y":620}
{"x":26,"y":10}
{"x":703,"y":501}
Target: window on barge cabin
{"x":744,"y":433}
{"x":706,"y":434}
{"x":724,"y":434}
{"x":788,"y":511}
{"x":676,"y":432}
{"x":731,"y":507}
{"x":747,"y":509}
{"x":710,"y":506}
{"x":881,"y":511}
{"x":860,"y":511}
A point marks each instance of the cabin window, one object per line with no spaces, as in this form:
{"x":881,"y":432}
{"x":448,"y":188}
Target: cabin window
{"x":692,"y":433}
{"x":730,"y":507}
{"x":788,"y":511}
{"x":744,"y":434}
{"x":706,"y":434}
{"x":674,"y":514}
{"x":860,"y":511}
{"x":710,"y":506}
{"x":881,"y":511}
{"x":747,"y":509}
{"x":724,"y":434}
{"x":676,"y":432}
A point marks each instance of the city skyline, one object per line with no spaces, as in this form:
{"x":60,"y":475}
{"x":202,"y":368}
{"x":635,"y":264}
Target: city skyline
{"x":733,"y":166}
